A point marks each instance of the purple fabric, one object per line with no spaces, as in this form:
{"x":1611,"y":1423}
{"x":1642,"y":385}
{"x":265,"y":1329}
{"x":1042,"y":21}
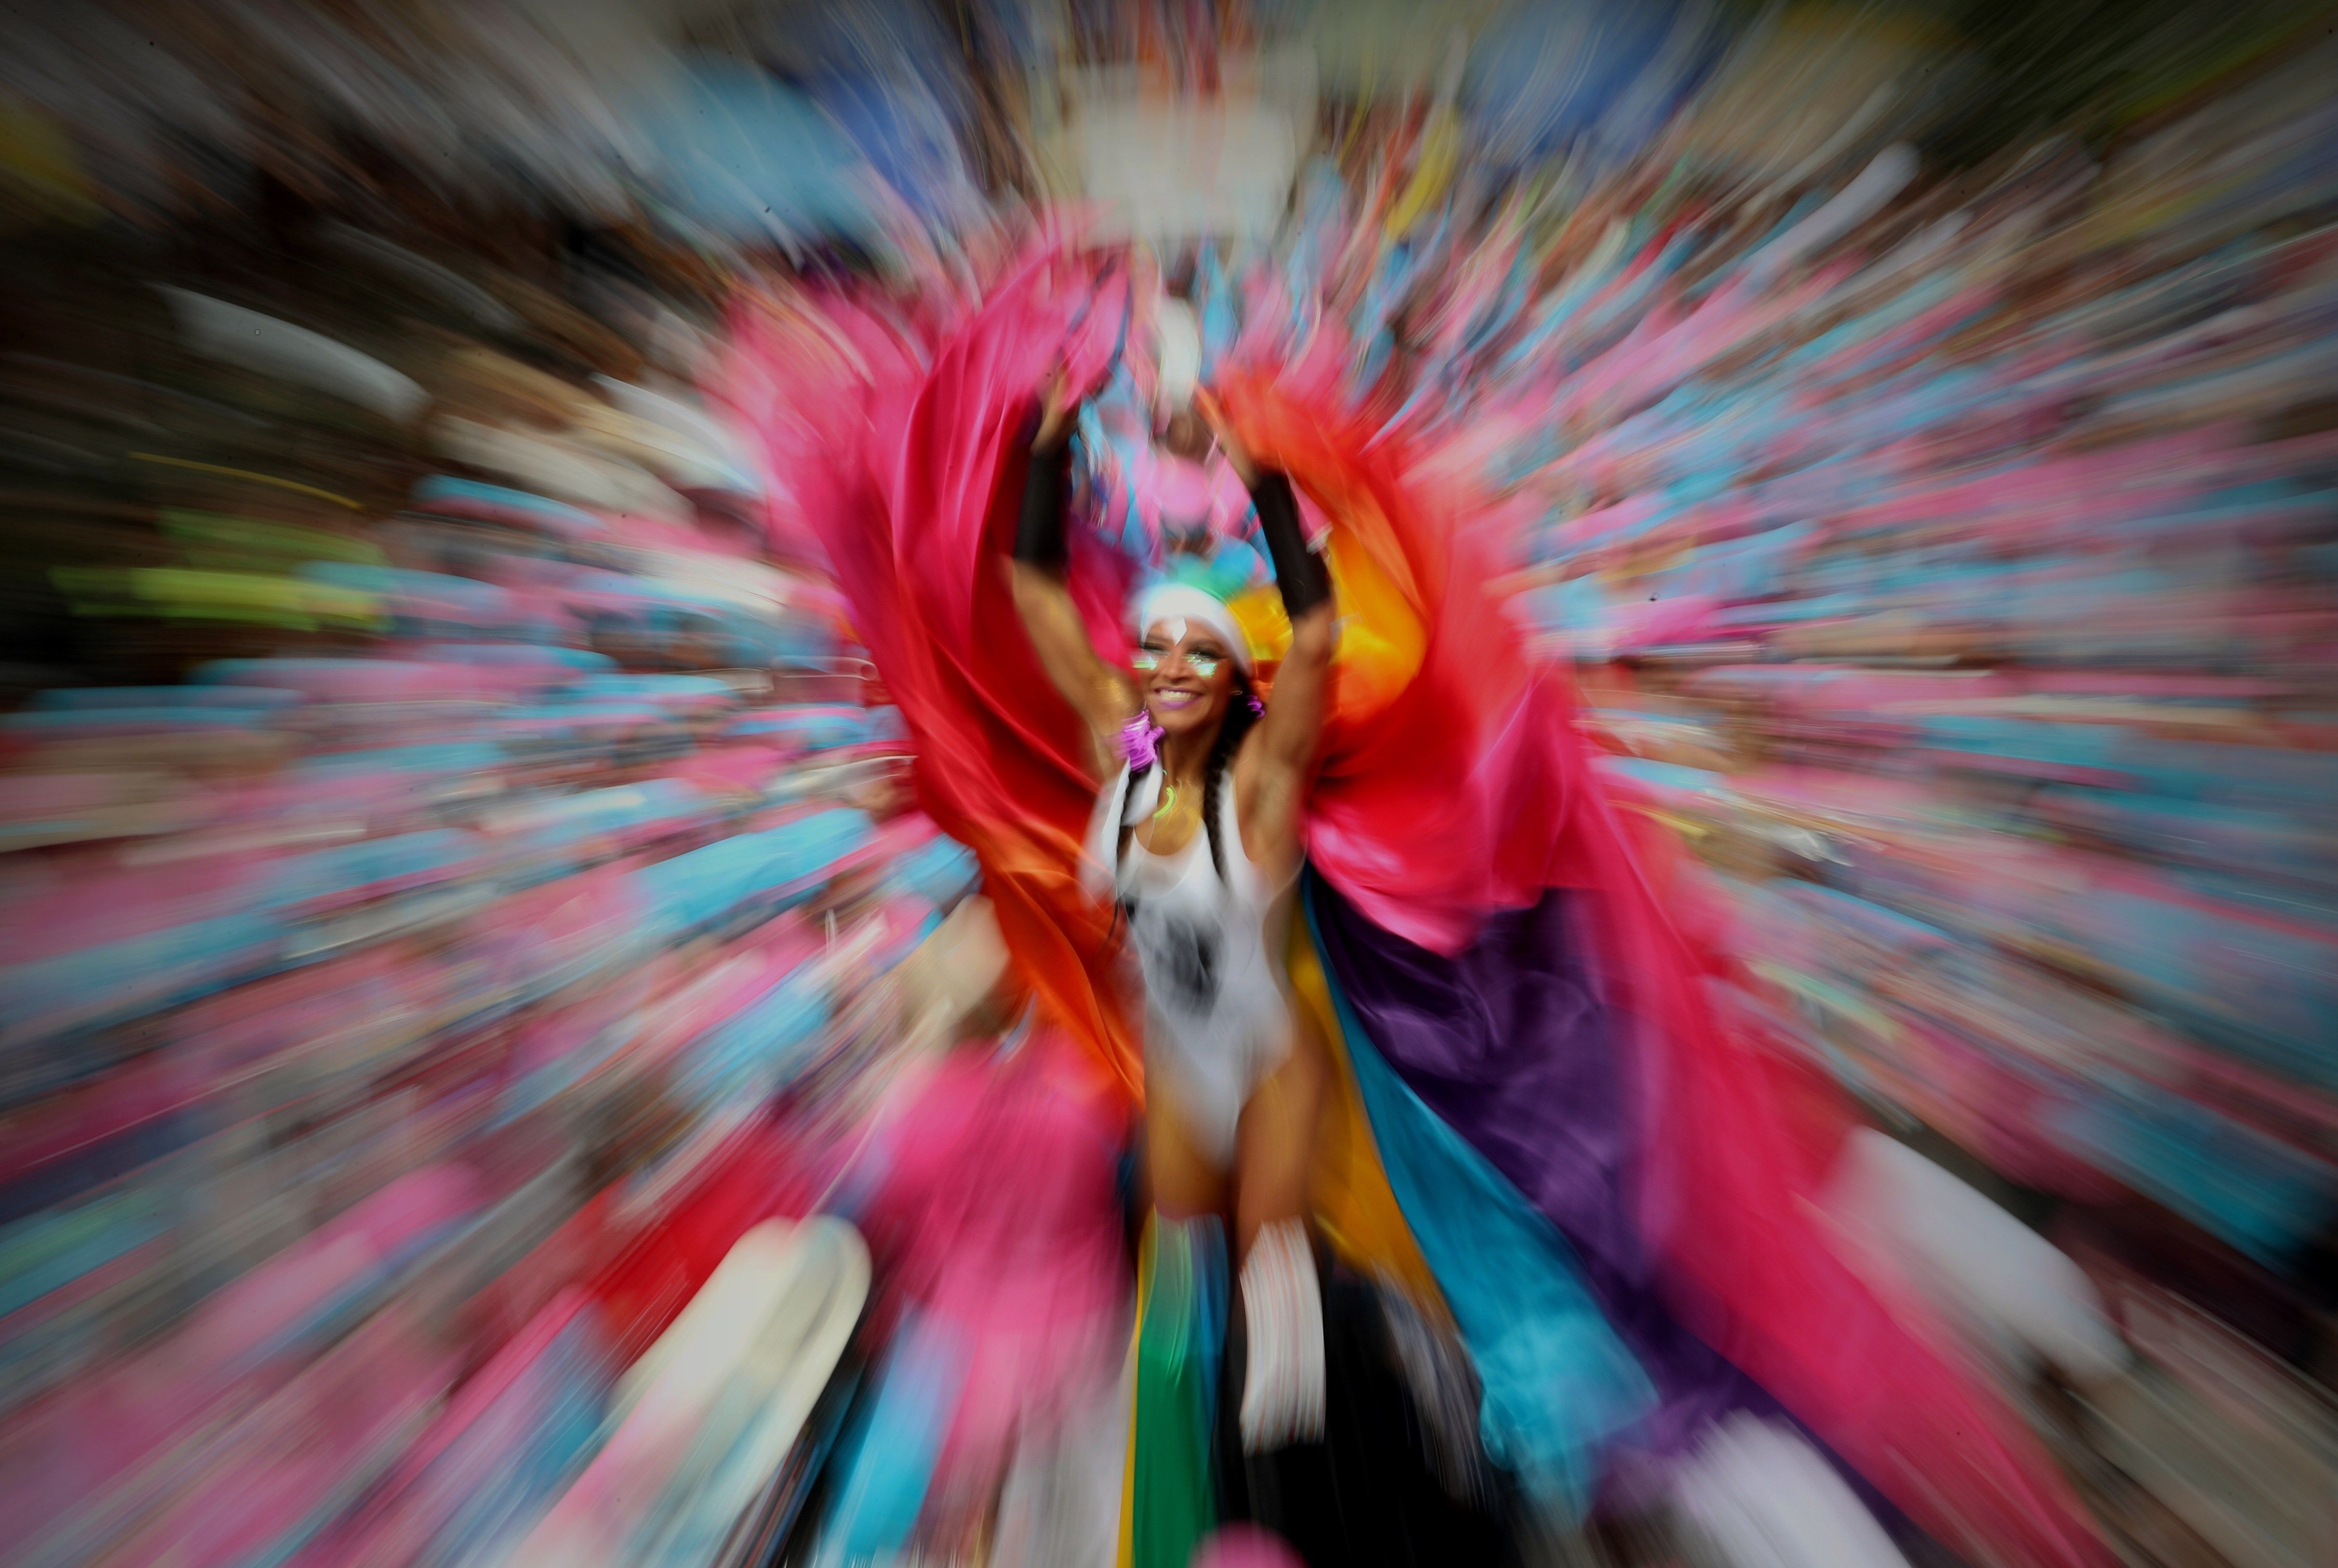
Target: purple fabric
{"x":1510,"y":1044}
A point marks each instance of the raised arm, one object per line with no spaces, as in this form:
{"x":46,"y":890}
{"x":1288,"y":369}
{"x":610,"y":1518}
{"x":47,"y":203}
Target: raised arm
{"x":1294,"y":720}
{"x":1271,"y":775}
{"x":1103,"y":696}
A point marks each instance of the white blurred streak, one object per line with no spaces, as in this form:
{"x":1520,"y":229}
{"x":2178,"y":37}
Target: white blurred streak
{"x":1173,"y":172}
{"x":1756,"y":1496}
{"x":1885,"y":176}
{"x":1845,"y":138}
{"x":558,"y":467}
{"x":272,"y":347}
{"x":2005,"y":1283}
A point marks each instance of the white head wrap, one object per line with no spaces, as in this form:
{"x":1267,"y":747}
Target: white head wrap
{"x":1184,"y":602}
{"x":1177,"y":353}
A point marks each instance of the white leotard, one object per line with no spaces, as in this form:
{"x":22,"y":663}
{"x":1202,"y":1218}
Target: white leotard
{"x":1216,"y":1019}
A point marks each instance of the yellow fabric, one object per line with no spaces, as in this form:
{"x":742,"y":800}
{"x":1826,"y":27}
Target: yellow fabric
{"x":1381,"y":639}
{"x":1354,"y":1206}
{"x":1376,"y":582}
{"x":1264,"y":626}
{"x":1127,"y":1551}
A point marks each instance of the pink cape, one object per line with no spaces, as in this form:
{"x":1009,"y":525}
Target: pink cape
{"x":910,"y":470}
{"x":1453,"y":782}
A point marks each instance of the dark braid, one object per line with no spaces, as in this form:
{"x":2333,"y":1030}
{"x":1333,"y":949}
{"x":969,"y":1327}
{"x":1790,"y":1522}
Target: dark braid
{"x":1230,"y":729}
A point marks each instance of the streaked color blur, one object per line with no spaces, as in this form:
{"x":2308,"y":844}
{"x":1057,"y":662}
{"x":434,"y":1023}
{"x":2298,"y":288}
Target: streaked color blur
{"x":458,"y":867}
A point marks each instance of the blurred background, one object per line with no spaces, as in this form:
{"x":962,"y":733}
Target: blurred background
{"x":458,"y":869}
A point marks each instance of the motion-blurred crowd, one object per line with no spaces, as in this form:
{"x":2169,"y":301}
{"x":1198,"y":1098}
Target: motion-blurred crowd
{"x":459,"y":876}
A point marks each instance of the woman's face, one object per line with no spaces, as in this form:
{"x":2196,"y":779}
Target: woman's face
{"x":1186,"y":674}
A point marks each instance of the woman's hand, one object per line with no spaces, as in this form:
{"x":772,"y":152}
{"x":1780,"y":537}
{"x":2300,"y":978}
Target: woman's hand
{"x":1059,"y":406}
{"x":1237,"y":454}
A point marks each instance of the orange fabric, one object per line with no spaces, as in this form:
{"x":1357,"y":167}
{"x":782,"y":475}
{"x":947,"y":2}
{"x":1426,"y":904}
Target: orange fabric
{"x":1434,"y":800}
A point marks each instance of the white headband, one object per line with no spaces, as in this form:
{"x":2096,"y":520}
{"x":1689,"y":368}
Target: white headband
{"x":1177,"y":353}
{"x":1184,"y":602}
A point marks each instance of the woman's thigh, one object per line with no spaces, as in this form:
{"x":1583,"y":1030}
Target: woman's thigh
{"x":1275,"y":1145}
{"x":1185,"y":1181}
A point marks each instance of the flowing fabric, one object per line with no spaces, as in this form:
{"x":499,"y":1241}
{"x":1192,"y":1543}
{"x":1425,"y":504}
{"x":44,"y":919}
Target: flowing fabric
{"x":1436,"y":801}
{"x":1557,"y":1385}
{"x":1348,"y":1187}
{"x":1171,"y":1499}
{"x":1452,"y":786}
{"x":1522,"y":1005}
{"x":1510,"y":1046}
{"x":1730,"y":1199}
{"x":908,"y":473}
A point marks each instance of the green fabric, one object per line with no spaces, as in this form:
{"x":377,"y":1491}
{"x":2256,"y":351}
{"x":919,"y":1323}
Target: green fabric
{"x":1173,"y":1500}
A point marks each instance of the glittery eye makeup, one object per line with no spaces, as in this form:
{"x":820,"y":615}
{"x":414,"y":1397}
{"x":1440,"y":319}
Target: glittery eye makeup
{"x":1150,"y":657}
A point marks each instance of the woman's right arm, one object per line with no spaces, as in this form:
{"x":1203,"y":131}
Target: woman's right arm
{"x":1103,"y":696}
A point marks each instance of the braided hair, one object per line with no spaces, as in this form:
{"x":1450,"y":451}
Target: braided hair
{"x":1243,"y":710}
{"x":1240,"y":716}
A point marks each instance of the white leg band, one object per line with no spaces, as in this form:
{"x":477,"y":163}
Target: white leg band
{"x":1282,"y":1312}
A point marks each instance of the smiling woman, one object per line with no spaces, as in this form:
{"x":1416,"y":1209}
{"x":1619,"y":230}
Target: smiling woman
{"x":1214,"y":990}
{"x":1200,"y":759}
{"x":1196,"y":842}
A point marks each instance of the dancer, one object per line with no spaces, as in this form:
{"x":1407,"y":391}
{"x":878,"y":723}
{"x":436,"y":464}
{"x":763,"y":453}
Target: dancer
{"x":1195,"y":842}
{"x":1197,"y":839}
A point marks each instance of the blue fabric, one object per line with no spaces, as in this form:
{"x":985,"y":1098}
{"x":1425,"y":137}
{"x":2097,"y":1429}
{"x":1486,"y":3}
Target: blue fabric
{"x":1557,"y":1382}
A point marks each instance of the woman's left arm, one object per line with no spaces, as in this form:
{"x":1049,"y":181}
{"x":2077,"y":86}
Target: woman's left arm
{"x":1284,"y":749}
{"x":1270,"y":774}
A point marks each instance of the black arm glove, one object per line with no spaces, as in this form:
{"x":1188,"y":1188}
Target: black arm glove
{"x":1300,"y":572}
{"x":1039,"y":530}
